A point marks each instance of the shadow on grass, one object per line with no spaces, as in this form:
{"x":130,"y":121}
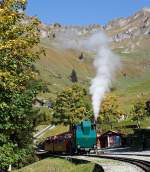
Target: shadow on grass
{"x":97,"y":167}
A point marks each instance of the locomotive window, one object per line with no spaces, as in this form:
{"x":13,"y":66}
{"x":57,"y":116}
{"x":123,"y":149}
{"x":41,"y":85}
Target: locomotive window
{"x":48,"y":140}
{"x":67,"y":137}
{"x":93,"y":126}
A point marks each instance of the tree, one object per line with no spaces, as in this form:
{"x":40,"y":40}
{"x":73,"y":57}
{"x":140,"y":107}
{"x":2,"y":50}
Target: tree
{"x":72,"y":106}
{"x":81,"y":57}
{"x":44,"y":116}
{"x":109,"y":112}
{"x":138,"y":111}
{"x":18,"y":38}
{"x":73,"y":76}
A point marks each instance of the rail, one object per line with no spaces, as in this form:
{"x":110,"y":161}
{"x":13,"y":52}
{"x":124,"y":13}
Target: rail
{"x":143,"y":164}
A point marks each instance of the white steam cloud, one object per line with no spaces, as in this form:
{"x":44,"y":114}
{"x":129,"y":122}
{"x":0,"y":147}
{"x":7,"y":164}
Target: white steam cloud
{"x":106,"y":62}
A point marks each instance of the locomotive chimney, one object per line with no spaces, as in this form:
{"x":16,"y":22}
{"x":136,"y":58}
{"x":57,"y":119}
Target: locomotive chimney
{"x":94,"y":123}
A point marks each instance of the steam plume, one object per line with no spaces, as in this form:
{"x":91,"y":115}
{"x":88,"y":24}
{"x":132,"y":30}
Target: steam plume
{"x":105,"y":63}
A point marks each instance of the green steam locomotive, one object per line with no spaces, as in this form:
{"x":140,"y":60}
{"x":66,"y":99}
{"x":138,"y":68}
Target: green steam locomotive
{"x":81,"y":138}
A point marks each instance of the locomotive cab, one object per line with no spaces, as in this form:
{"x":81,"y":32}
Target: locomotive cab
{"x":85,"y":136}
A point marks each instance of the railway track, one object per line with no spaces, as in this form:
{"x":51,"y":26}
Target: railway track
{"x":143,"y":164}
{"x":126,"y":154}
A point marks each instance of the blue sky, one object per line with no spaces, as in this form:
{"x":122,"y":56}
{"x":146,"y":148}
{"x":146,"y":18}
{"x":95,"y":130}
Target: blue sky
{"x":83,"y":12}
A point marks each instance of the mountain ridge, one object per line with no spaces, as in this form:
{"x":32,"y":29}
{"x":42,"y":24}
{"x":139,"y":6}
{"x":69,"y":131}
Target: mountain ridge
{"x":132,"y":80}
{"x":118,"y":29}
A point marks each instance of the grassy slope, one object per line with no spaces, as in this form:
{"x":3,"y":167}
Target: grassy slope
{"x":137,"y":80}
{"x":40,"y":127}
{"x":57,"y":165}
{"x":56,"y":67}
{"x":58,"y":129}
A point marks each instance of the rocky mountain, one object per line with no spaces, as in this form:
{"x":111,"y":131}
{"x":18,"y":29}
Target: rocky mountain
{"x":131,"y":27}
{"x":54,"y":29}
{"x":118,"y":29}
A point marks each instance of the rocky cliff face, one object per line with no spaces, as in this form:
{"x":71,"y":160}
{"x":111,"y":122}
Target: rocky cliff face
{"x":131,"y":27}
{"x":54,"y":29}
{"x":118,"y":29}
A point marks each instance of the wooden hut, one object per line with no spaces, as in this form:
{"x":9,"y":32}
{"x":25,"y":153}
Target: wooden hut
{"x":111,"y":139}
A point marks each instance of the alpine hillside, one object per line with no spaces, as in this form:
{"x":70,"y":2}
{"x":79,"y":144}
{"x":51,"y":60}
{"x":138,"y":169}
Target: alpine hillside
{"x":129,"y":38}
